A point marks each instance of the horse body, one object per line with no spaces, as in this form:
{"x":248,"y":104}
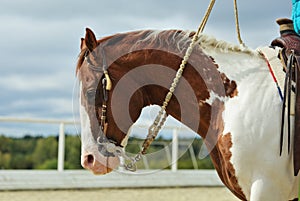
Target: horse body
{"x":226,"y":95}
{"x":253,"y":121}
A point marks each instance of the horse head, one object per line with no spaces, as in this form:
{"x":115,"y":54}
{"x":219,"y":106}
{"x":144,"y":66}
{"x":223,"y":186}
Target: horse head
{"x":91,"y":73}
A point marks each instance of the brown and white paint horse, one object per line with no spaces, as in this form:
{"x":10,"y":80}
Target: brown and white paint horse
{"x":226,"y":95}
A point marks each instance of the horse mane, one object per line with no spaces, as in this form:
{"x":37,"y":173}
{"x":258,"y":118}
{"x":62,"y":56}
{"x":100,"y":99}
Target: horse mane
{"x":183,"y":38}
{"x":80,"y":60}
{"x":158,"y":38}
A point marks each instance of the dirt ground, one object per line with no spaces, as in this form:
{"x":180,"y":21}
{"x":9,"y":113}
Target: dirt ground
{"x":163,"y":194}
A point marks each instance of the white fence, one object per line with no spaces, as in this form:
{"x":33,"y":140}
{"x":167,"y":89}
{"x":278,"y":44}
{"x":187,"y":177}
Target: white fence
{"x":79,"y":179}
{"x":61,"y":179}
{"x":61,"y":136}
{"x":173,"y":155}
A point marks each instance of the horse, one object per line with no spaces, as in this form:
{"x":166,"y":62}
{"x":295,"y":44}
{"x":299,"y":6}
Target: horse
{"x":226,"y":95}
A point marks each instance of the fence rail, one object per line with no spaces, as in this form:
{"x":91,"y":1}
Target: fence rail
{"x":80,"y":179}
{"x":66,"y":179}
{"x":61,"y":139}
{"x":61,"y":136}
{"x":38,"y":121}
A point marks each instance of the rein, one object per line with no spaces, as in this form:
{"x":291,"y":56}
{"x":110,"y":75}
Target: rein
{"x":162,"y":115}
{"x":291,"y":94}
{"x":287,"y":100}
{"x":109,"y":148}
{"x":289,"y":55}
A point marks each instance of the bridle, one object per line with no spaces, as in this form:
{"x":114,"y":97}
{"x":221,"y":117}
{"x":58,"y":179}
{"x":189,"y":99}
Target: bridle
{"x":106,"y":87}
{"x":107,"y":147}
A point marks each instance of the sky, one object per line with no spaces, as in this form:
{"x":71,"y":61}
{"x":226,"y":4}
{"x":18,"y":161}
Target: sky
{"x":40,"y":40}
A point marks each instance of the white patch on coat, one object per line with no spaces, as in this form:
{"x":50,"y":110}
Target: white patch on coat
{"x":253,"y":118}
{"x":213,"y":96}
{"x":90,"y":147}
{"x":87,"y":139}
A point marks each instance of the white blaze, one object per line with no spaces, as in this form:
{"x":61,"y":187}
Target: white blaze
{"x":87,"y":139}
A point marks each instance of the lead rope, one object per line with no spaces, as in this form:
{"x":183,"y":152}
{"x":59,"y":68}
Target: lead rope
{"x":162,"y":115}
{"x":287,"y":102}
{"x":237,"y":24}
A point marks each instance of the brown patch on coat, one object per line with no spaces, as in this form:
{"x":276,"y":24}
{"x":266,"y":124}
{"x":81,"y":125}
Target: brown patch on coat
{"x":228,"y":171}
{"x":230,"y":86}
{"x":219,"y":146}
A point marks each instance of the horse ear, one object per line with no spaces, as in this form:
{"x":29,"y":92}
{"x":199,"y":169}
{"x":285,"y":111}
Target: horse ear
{"x":90,"y":40}
{"x":82,"y":45}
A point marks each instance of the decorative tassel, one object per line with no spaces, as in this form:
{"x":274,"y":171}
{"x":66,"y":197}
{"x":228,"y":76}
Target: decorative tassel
{"x":108,"y":81}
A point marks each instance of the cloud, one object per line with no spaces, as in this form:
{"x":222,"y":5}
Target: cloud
{"x":29,"y":84}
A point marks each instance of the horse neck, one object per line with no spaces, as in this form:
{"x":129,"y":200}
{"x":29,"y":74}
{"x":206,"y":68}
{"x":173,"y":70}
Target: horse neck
{"x":148,"y":62}
{"x":147,"y":75}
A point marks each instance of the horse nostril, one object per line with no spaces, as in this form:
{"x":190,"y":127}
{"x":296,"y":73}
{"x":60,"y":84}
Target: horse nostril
{"x":90,"y":159}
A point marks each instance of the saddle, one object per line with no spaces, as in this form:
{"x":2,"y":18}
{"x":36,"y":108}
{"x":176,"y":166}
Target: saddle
{"x":289,"y":42}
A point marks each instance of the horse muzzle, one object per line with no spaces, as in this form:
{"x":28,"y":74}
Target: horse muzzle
{"x":99,"y":164}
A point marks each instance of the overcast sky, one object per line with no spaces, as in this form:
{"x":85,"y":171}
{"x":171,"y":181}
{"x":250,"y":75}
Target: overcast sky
{"x":39,"y":40}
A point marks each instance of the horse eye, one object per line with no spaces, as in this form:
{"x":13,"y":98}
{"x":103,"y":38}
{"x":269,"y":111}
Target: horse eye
{"x":90,"y":95}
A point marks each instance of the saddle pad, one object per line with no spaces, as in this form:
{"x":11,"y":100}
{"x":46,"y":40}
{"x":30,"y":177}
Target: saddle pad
{"x":276,"y":69}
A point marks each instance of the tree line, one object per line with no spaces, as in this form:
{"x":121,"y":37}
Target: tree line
{"x":37,"y":152}
{"x":41,"y":153}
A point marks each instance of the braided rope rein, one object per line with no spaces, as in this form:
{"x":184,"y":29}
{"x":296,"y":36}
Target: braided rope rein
{"x":237,"y":24}
{"x":162,"y":114}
